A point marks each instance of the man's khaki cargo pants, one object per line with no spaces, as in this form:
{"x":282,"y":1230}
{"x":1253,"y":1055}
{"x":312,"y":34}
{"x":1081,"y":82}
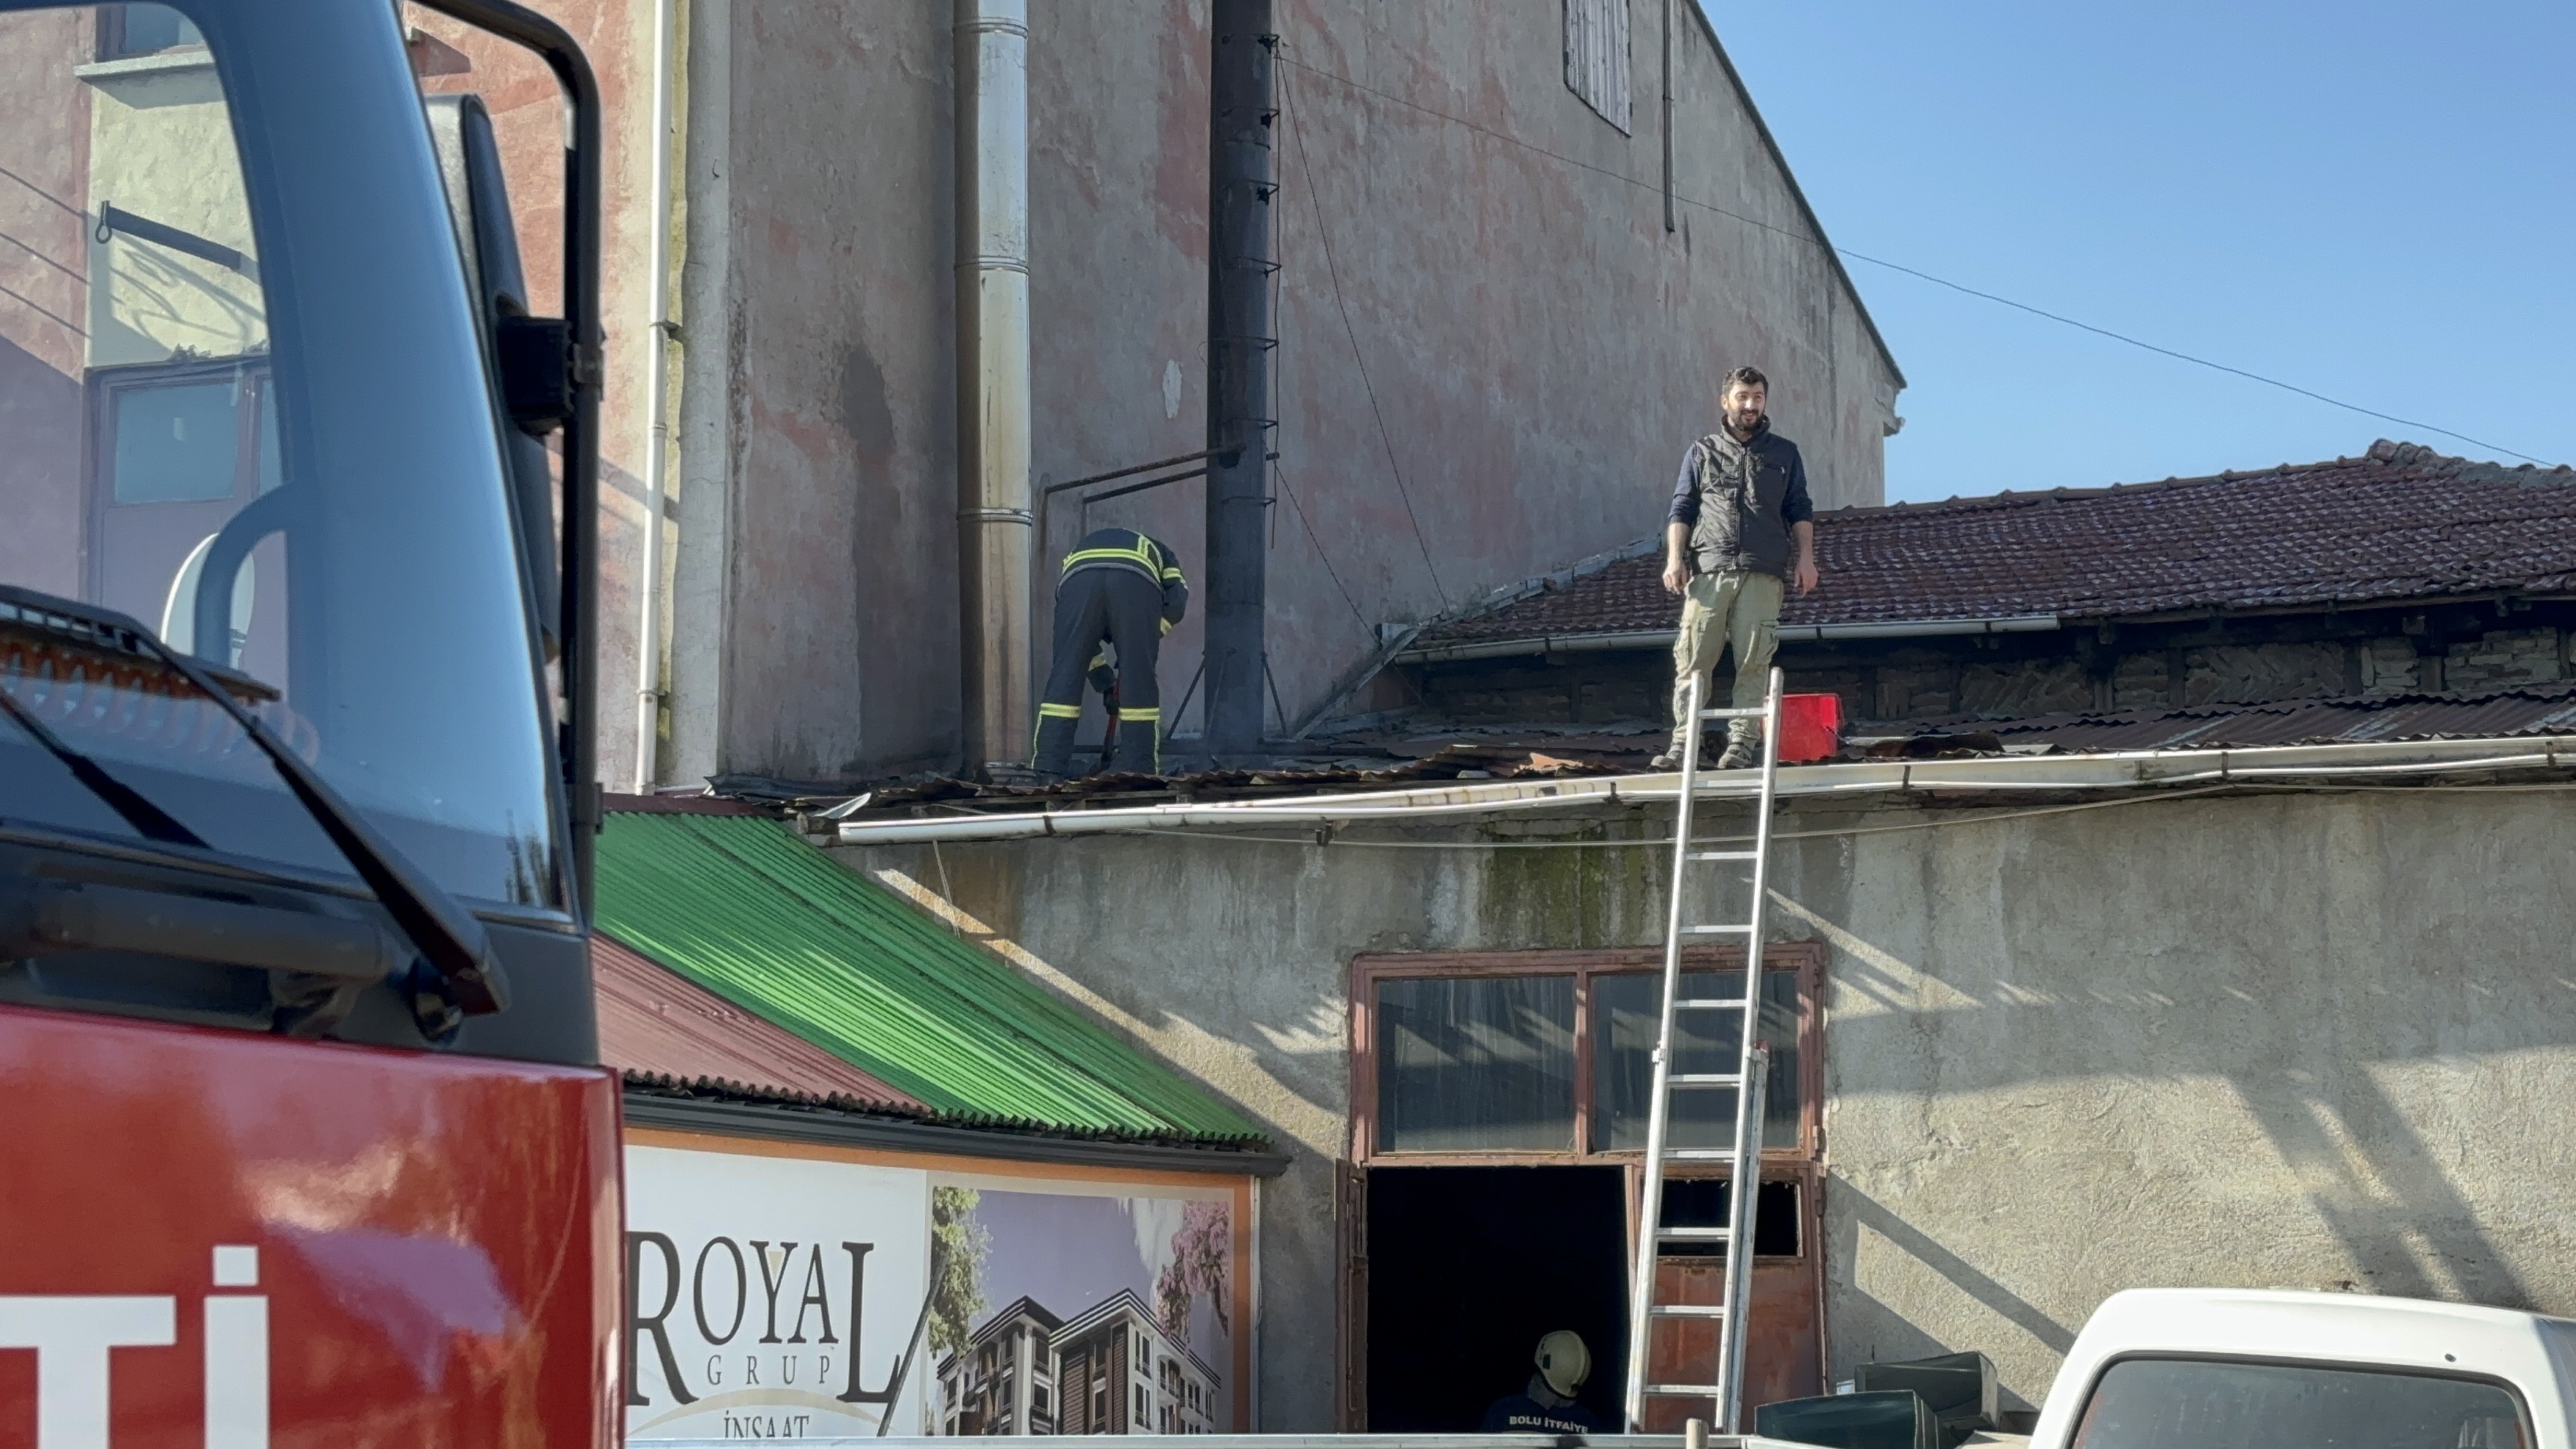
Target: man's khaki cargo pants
{"x":1731,"y":609}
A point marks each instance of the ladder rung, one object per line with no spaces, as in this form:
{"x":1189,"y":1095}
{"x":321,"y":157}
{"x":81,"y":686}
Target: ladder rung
{"x":1686,"y":1310}
{"x":1750,"y":712}
{"x":1685,"y":1391}
{"x":1694,"y":1235}
{"x":1717,"y":930}
{"x":1704,"y":1079}
{"x":1708,"y":1003}
{"x":1699,"y":1154}
{"x":1725,"y":854}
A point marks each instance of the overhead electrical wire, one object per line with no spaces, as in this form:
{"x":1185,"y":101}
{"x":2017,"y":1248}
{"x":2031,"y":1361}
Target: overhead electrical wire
{"x":1327,"y":559}
{"x":1817,"y":241}
{"x":1288,"y":94}
{"x":1279,"y":470}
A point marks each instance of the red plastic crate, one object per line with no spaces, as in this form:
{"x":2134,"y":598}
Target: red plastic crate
{"x":1811,"y":727}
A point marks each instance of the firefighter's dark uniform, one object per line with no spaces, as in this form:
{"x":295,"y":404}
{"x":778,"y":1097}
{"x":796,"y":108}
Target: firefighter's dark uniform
{"x":1128,"y":589}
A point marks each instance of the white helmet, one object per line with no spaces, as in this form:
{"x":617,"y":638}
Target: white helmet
{"x":1563,"y":1361}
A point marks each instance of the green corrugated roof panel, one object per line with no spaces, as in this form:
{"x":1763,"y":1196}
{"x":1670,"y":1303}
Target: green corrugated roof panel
{"x":742,"y":907}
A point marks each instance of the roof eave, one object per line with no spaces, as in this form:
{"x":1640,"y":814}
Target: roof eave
{"x":785,"y":1122}
{"x":2118,"y":770}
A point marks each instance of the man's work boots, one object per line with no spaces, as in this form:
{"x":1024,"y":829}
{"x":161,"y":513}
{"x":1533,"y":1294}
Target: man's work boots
{"x":1743,"y":748}
{"x":1743,"y":751}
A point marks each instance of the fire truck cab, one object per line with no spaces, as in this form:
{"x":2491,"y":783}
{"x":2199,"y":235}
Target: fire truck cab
{"x":306,"y":1142}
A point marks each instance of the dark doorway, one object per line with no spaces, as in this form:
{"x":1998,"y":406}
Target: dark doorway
{"x":1469,"y":1266}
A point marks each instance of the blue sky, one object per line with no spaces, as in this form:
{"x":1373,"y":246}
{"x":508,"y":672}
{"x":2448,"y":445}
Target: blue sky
{"x":2371,"y":200}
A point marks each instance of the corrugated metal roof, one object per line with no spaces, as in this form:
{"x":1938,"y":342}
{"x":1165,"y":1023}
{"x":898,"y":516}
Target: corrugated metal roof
{"x":770,"y":924}
{"x":658,"y":1026}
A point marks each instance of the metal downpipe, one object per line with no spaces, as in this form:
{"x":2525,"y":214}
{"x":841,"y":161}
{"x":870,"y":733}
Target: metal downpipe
{"x":659,"y":338}
{"x":996,"y":516}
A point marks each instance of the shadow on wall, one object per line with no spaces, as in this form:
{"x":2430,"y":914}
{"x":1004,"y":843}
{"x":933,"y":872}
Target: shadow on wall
{"x":2362,"y":982}
{"x":1894,"y":1338}
{"x":2367,"y":1170}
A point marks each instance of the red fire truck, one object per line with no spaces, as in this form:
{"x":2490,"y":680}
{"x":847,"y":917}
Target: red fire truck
{"x":301,"y":1143}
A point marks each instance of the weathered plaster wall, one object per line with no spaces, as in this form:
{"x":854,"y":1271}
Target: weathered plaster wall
{"x":2304,"y":1042}
{"x":1540,"y":349}
{"x":827,"y":331}
{"x":2271,"y":1040}
{"x":44,"y":297}
{"x":1514,"y":336}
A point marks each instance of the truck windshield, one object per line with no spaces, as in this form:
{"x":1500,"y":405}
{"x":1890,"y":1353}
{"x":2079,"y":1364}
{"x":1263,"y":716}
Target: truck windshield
{"x":242,"y":403}
{"x":2170,"y":1403}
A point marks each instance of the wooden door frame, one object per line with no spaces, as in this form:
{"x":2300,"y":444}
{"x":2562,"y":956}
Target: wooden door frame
{"x":1801,"y":1162}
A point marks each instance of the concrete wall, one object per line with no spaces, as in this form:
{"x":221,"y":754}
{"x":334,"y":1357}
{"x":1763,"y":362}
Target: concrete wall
{"x":1541,"y":350}
{"x":814,"y":629}
{"x":44,"y":297}
{"x":2300,"y":1041}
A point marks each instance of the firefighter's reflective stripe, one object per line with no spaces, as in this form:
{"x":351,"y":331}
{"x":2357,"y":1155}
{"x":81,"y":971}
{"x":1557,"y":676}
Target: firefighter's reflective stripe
{"x":1151,"y":712}
{"x":1060,"y":711}
{"x":1144,"y":555}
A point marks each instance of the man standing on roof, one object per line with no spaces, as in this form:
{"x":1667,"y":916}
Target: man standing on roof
{"x":1128,"y":589}
{"x":1739,"y":507}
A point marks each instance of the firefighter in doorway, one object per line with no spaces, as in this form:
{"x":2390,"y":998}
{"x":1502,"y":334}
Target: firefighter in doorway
{"x":1128,"y":589}
{"x":1547,"y":1406}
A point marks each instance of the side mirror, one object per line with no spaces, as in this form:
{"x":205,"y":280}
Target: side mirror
{"x":528,"y":359}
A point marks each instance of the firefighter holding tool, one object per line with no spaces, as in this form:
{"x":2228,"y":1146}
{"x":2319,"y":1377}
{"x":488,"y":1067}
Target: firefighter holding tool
{"x":1127,"y":589}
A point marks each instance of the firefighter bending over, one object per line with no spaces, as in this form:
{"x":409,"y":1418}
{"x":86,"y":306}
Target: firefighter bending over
{"x":1128,"y":589}
{"x":1547,"y":1406}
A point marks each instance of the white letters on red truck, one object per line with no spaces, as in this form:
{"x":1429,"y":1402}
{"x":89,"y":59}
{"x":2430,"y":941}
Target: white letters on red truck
{"x":74,"y":1337}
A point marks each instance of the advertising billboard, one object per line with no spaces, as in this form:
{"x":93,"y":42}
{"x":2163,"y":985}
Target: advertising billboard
{"x":794,"y":1291}
{"x":772,"y":1297}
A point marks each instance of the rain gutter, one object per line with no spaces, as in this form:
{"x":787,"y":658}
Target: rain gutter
{"x":2125,"y":770}
{"x":1594,"y":643}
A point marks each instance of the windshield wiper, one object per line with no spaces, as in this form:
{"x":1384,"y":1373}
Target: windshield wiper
{"x":447,"y":936}
{"x":148,"y":819}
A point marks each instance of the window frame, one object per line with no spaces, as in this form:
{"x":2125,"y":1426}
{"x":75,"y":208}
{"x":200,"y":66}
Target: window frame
{"x":110,"y":39}
{"x":1803,"y":959}
{"x":104,"y":388}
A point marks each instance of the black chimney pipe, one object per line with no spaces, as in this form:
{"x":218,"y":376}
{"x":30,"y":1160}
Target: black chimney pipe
{"x":1242,"y":112}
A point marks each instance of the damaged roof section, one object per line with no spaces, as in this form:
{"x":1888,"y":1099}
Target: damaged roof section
{"x":1433,"y":754}
{"x":2399,"y":522}
{"x":2526,"y":711}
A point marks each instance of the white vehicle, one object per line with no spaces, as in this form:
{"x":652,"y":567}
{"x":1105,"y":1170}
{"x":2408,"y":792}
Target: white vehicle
{"x":2193,"y":1368}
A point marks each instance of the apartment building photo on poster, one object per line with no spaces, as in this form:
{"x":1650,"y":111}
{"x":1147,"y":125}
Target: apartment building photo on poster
{"x":1072,"y":1312}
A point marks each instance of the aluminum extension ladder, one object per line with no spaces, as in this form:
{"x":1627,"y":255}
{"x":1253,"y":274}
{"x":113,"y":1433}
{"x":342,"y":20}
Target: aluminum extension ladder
{"x":1725,"y":1387}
